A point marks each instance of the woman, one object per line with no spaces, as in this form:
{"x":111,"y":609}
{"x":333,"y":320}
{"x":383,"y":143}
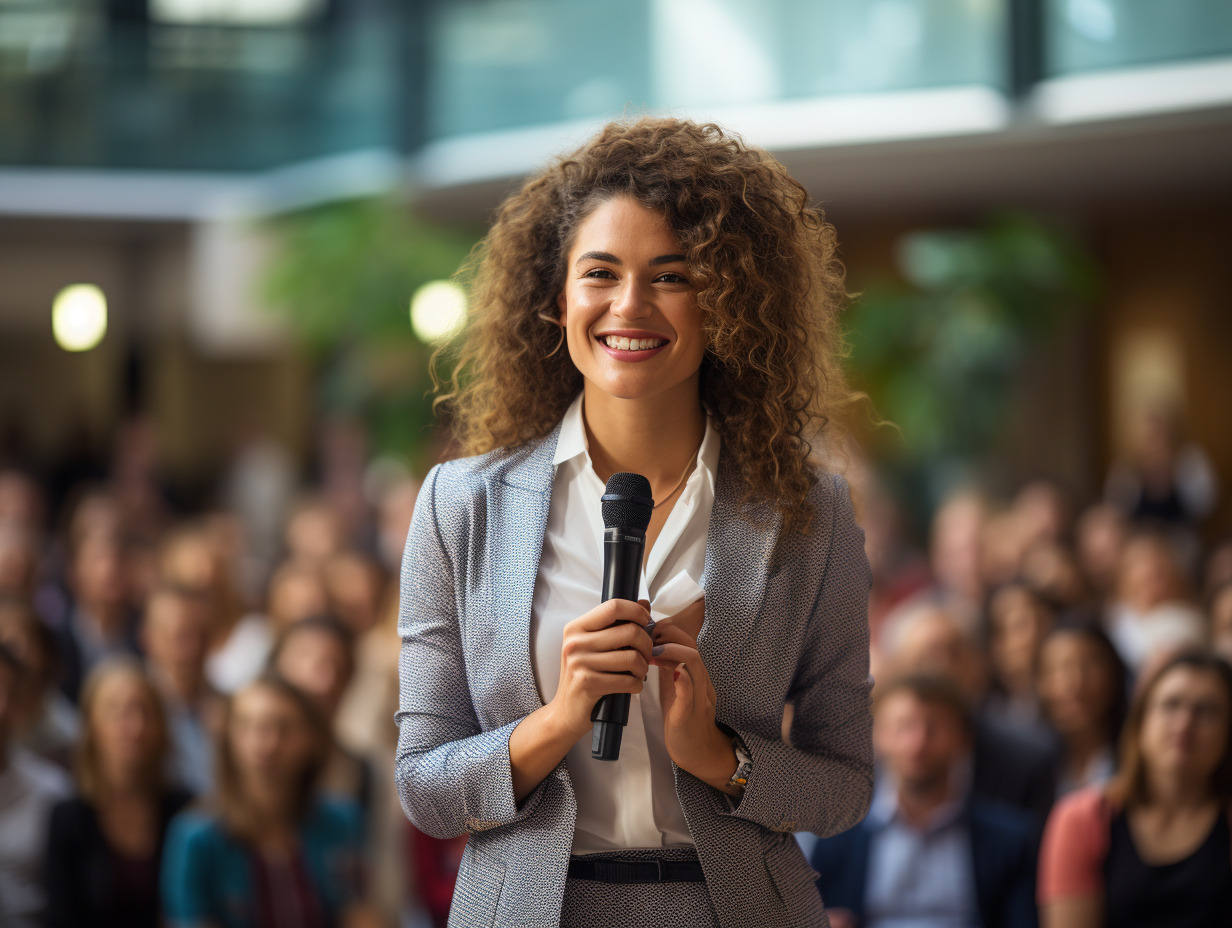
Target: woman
{"x":1082,"y":692}
{"x":270,"y":852}
{"x":1154,"y":847}
{"x":105,"y":843}
{"x":1016,"y":621}
{"x":663,"y":301}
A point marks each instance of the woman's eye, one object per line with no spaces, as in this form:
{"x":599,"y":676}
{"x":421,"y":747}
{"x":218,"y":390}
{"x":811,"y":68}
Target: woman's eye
{"x":673,"y":278}
{"x":600,"y":273}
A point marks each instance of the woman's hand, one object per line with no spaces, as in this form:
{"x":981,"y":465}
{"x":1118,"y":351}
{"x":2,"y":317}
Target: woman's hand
{"x":607,"y":650}
{"x":694,"y":742}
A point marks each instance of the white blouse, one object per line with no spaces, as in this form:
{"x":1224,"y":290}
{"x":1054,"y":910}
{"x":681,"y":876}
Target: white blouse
{"x":630,"y":802}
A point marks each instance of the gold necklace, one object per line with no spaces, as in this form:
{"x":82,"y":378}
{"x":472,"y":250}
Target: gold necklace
{"x":688,"y":467}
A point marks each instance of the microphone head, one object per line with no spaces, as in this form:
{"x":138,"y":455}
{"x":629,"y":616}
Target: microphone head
{"x":627,"y":502}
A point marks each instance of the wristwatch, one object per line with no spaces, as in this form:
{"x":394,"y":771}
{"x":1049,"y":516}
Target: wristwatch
{"x":744,"y":763}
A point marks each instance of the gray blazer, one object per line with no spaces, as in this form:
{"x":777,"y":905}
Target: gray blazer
{"x":786,"y":619}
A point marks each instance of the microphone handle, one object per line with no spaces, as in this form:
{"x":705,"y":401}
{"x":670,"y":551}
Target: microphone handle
{"x":623,"y":548}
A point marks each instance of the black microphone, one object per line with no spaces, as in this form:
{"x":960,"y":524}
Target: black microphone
{"x":627,"y":505}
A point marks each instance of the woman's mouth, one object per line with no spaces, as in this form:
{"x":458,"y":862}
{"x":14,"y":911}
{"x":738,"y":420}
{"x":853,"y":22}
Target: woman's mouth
{"x":620,"y":343}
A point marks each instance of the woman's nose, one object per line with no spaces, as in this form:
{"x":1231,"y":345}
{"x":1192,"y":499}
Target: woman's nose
{"x":631,"y":300}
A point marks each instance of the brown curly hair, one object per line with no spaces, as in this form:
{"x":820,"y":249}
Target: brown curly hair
{"x":769,"y":286}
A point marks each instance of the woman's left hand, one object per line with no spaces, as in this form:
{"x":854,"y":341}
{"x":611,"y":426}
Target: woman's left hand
{"x":694,"y":742}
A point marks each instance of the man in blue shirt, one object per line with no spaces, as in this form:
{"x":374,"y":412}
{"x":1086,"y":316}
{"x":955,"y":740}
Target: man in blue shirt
{"x":929,"y":854}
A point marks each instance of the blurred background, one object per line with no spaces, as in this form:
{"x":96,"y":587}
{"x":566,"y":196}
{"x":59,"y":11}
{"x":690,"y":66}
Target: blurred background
{"x":228,"y":227}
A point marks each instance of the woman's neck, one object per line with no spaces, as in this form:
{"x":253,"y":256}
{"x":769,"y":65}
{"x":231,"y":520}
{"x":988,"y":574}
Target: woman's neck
{"x":1178,"y":790}
{"x":655,"y":437}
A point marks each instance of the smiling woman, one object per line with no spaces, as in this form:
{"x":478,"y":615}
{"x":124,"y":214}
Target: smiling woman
{"x":696,"y":295}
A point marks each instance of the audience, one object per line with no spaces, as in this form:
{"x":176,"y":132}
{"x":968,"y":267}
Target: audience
{"x":105,"y":846}
{"x":1154,"y":846}
{"x":1009,"y":763}
{"x":175,"y":633}
{"x":1082,"y":695}
{"x":1016,"y":619}
{"x":269,"y":842}
{"x":1036,"y":618}
{"x":45,"y":722}
{"x":100,"y":622}
{"x":29,"y":788}
{"x":1151,"y":608}
{"x":316,"y":655}
{"x":930,"y":853}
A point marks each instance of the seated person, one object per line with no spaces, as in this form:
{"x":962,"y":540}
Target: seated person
{"x":1082,"y":690}
{"x":175,"y":631}
{"x":270,"y":850}
{"x":930,"y":853}
{"x":29,"y":787}
{"x":1010,"y":763}
{"x":46,"y":722}
{"x":317,"y":656}
{"x":105,"y":844}
{"x":1154,"y":846}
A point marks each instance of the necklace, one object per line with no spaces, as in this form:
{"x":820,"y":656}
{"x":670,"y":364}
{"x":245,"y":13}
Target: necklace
{"x":687,"y":468}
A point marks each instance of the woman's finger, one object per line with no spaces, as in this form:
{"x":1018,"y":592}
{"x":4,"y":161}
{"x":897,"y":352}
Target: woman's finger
{"x":673,"y":634}
{"x":609,"y":613}
{"x":671,"y":652}
{"x":622,"y":661}
{"x":612,"y":638}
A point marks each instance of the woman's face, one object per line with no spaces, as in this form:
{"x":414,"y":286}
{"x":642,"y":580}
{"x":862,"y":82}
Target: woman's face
{"x":1018,"y":624}
{"x":1076,"y":683}
{"x":271,"y":741}
{"x":316,"y":662}
{"x":1185,"y":726}
{"x":124,"y":724}
{"x":629,"y":309}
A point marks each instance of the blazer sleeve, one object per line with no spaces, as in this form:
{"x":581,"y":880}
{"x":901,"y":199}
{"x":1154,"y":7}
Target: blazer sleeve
{"x":823,"y":781}
{"x":452,"y":777}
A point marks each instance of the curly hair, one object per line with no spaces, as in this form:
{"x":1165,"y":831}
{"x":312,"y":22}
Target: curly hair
{"x":768,"y":282}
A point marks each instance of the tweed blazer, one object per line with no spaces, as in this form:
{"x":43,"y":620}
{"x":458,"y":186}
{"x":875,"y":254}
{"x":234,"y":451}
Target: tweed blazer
{"x":786,"y":620}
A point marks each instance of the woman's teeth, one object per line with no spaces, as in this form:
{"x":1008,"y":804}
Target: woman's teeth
{"x":632,"y":344}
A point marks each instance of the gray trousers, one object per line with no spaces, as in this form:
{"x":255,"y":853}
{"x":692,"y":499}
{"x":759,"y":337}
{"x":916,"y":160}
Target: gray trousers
{"x":592,"y":904}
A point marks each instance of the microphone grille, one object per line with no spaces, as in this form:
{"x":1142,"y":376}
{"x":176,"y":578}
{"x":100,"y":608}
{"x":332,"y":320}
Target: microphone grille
{"x":627,"y":502}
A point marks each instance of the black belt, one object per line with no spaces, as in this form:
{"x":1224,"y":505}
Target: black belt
{"x":615,"y":870}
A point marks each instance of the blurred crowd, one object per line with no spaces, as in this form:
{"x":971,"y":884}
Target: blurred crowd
{"x":1052,"y":708}
{"x":196,"y":709}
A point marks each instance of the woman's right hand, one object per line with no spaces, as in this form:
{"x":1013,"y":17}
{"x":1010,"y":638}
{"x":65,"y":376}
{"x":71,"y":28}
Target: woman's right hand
{"x":607,"y":650}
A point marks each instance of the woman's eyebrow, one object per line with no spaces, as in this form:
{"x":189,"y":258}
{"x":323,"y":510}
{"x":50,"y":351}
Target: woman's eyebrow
{"x":612,"y":259}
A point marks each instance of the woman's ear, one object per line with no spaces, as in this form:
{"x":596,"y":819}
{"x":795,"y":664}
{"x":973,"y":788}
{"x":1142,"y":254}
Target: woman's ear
{"x":563,"y":305}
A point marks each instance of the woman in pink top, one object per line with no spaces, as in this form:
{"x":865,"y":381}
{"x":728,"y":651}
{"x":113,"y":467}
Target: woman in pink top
{"x":1154,"y":847}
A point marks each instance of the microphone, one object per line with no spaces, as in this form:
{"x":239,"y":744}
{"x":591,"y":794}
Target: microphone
{"x":627,"y":505}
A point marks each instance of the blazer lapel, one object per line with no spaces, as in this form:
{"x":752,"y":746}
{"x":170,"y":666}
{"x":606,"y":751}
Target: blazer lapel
{"x":518,"y":520}
{"x":738,"y":555}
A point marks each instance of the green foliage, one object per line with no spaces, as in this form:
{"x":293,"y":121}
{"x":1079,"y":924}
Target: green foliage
{"x":342,"y":277}
{"x":939,"y":350}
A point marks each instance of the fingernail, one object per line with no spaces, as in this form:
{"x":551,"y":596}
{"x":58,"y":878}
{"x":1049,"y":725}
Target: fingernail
{"x":657,"y":650}
{"x":650,"y":627}
{"x":676,"y":674}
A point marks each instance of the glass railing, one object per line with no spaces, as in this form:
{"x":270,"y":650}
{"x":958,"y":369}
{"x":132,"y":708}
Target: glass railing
{"x":77,"y":91}
{"x":1097,"y":35}
{"x":505,"y":63}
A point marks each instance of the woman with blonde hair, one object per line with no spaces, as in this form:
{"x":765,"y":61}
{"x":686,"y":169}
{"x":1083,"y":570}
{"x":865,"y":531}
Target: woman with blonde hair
{"x":105,"y":844}
{"x":661,"y":302}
